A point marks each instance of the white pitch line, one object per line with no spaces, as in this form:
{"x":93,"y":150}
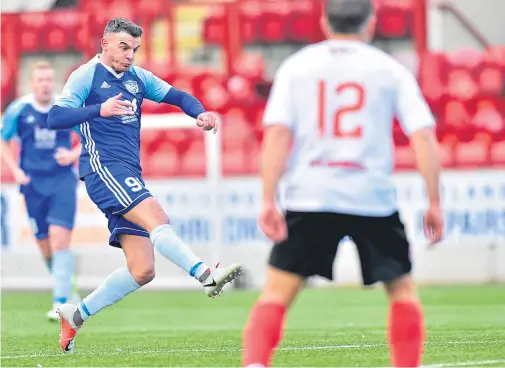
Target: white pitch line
{"x":172,"y":351}
{"x":117,"y":351}
{"x":465,"y":364}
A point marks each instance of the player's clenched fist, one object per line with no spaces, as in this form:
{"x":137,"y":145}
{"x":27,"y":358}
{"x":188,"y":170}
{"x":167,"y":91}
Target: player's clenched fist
{"x":207,"y":121}
{"x":272,"y":222}
{"x":115,"y":107}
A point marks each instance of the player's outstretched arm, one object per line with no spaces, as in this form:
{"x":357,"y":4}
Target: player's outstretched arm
{"x":68,"y":117}
{"x":191,"y":106}
{"x":160,"y":91}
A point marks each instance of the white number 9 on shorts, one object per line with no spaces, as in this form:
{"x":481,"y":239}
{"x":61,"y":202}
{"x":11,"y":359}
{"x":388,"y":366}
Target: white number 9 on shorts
{"x":134,"y":184}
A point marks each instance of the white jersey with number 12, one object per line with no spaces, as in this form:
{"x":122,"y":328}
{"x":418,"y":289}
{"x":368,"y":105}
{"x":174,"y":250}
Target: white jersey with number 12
{"x":339,"y":99}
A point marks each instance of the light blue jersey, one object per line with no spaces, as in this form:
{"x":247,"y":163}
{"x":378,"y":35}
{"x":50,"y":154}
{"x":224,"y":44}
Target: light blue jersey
{"x":113,"y":140}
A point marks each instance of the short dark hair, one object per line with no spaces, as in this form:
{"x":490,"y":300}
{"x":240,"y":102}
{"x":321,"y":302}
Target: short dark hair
{"x":348,"y":16}
{"x":117,"y":25}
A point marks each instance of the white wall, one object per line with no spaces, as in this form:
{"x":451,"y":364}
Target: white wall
{"x":473,"y":251}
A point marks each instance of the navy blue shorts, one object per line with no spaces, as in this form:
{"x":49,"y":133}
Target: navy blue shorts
{"x":116,"y":189}
{"x":54,"y":205}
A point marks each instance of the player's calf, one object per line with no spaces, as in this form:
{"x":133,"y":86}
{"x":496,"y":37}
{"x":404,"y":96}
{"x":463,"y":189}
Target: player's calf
{"x":149,"y":215}
{"x":139,"y":257}
{"x":263,"y":331}
{"x":45,"y":249}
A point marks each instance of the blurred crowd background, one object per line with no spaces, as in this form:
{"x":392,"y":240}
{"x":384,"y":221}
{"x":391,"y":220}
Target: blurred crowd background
{"x":226,"y":53}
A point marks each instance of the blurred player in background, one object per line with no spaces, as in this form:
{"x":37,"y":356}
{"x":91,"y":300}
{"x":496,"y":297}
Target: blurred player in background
{"x":336,"y":101}
{"x":46,"y":177}
{"x":112,"y":89}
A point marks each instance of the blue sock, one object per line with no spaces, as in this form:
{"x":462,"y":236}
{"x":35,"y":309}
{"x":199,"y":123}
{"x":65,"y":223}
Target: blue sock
{"x":115,"y":287}
{"x":62,"y":269}
{"x":170,"y":246}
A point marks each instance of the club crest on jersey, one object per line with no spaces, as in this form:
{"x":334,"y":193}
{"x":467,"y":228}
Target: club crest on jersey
{"x":30,"y":119}
{"x":132,"y":87}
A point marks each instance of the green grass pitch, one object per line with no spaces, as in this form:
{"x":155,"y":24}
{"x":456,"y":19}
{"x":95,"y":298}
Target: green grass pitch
{"x":327,"y":327}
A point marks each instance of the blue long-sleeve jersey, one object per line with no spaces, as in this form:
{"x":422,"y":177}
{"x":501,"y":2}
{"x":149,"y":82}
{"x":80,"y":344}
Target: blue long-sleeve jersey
{"x":26,"y":120}
{"x":116,"y":139}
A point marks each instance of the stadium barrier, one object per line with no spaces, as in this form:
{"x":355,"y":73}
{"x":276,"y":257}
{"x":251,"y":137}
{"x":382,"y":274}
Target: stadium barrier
{"x":217,"y":217}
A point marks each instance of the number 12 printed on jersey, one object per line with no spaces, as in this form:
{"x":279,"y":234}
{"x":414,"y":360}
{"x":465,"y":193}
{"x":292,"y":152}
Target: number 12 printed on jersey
{"x":338,"y":113}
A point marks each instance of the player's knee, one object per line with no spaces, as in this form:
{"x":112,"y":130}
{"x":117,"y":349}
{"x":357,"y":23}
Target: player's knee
{"x":59,"y":238}
{"x":402,"y":289}
{"x":143,"y":274}
{"x":281,"y":287}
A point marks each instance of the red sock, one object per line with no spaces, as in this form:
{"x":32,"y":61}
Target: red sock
{"x":406,"y":334}
{"x":263,"y":333}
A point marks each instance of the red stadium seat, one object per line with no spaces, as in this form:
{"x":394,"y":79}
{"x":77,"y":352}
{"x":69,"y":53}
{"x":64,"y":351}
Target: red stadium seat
{"x":498,"y":154}
{"x":431,"y":68}
{"x":465,"y":58}
{"x":148,"y":8}
{"x":193,"y":160}
{"x":249,"y":65}
{"x":404,"y":158}
{"x":150,"y":139}
{"x":179,"y":138}
{"x":456,"y":116}
{"x":251,"y":21}
{"x":394,"y":22}
{"x":303,"y":23}
{"x":274,"y":21}
{"x":461,"y":85}
{"x":488,"y":117}
{"x":62,"y":30}
{"x":33,"y":28}
{"x":447,"y":155}
{"x":491,"y":81}
{"x":472,"y":154}
{"x":236,"y":128}
{"x":213,"y":93}
{"x":214,"y":26}
{"x":165,"y":162}
{"x":240,"y":89}
{"x":495,"y":55}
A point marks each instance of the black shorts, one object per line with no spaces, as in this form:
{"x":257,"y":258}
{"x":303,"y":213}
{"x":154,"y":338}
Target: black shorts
{"x":313,"y":239}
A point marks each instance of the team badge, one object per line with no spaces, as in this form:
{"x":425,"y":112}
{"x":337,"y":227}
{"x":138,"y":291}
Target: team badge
{"x":30,"y":119}
{"x":132,"y":87}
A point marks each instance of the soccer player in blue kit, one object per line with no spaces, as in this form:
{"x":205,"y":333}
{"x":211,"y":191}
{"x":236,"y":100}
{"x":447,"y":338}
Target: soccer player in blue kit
{"x":104,"y":97}
{"x":46,"y":177}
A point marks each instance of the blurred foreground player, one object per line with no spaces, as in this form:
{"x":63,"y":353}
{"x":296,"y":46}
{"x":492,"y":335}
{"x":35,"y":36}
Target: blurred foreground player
{"x":46,"y":177}
{"x":335,"y":101}
{"x":112,"y":89}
